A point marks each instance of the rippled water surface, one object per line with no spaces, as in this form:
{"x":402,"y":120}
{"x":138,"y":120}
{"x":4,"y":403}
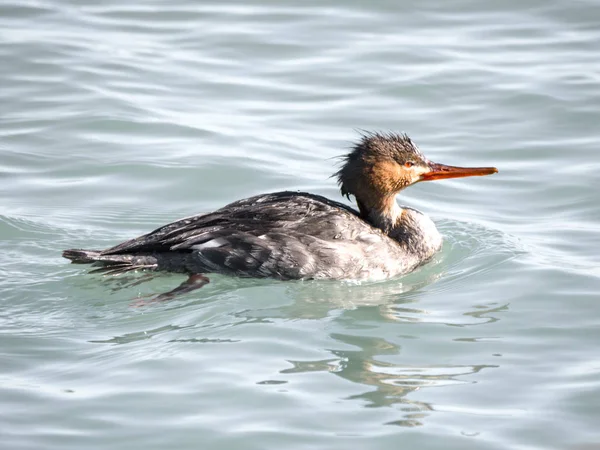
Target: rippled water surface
{"x":118,"y":117}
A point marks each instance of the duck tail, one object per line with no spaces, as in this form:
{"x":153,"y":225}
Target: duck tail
{"x":123,"y":263}
{"x":80,"y":256}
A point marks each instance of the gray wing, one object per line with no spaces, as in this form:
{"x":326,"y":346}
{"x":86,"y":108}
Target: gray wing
{"x":254,"y":215}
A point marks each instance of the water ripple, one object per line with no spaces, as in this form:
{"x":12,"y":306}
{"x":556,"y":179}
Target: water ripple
{"x":117,"y":118}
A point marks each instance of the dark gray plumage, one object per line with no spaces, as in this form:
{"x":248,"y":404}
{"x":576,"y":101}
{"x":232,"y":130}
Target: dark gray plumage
{"x":285,"y":235}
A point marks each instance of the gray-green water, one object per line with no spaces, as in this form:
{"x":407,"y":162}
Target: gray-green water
{"x":118,"y":117}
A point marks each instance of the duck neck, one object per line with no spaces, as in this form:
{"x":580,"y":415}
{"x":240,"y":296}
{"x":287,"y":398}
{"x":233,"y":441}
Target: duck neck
{"x":413,"y":230}
{"x":383,"y":213}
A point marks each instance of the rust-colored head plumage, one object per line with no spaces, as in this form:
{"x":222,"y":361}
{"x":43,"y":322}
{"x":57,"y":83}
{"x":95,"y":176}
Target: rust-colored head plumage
{"x":381,"y":165}
{"x":386,"y":163}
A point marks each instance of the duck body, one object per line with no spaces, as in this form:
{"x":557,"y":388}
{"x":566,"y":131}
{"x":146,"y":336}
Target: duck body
{"x":283,"y":235}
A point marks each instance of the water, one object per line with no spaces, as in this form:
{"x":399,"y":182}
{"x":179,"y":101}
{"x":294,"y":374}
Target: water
{"x":117,"y":118}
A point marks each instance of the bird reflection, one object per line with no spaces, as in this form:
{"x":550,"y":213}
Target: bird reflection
{"x":381,"y":376}
{"x":392,"y":382}
{"x":385,"y":383}
{"x":318,"y":299}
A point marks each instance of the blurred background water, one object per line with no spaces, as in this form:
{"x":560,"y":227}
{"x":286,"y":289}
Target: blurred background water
{"x":116,"y":118}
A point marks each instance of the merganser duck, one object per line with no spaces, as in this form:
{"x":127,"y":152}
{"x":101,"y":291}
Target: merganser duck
{"x":298,"y":235}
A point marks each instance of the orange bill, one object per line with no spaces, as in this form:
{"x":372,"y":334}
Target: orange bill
{"x":441,"y":171}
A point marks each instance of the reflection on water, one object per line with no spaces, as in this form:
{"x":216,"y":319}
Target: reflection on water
{"x":480,"y":315}
{"x":388,"y":384}
{"x":392,"y":382}
{"x":138,"y":335}
{"x":374,"y":364}
{"x":317,"y":299}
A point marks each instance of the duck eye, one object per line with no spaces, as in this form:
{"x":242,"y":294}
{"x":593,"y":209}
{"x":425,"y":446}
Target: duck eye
{"x":408,"y":164}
